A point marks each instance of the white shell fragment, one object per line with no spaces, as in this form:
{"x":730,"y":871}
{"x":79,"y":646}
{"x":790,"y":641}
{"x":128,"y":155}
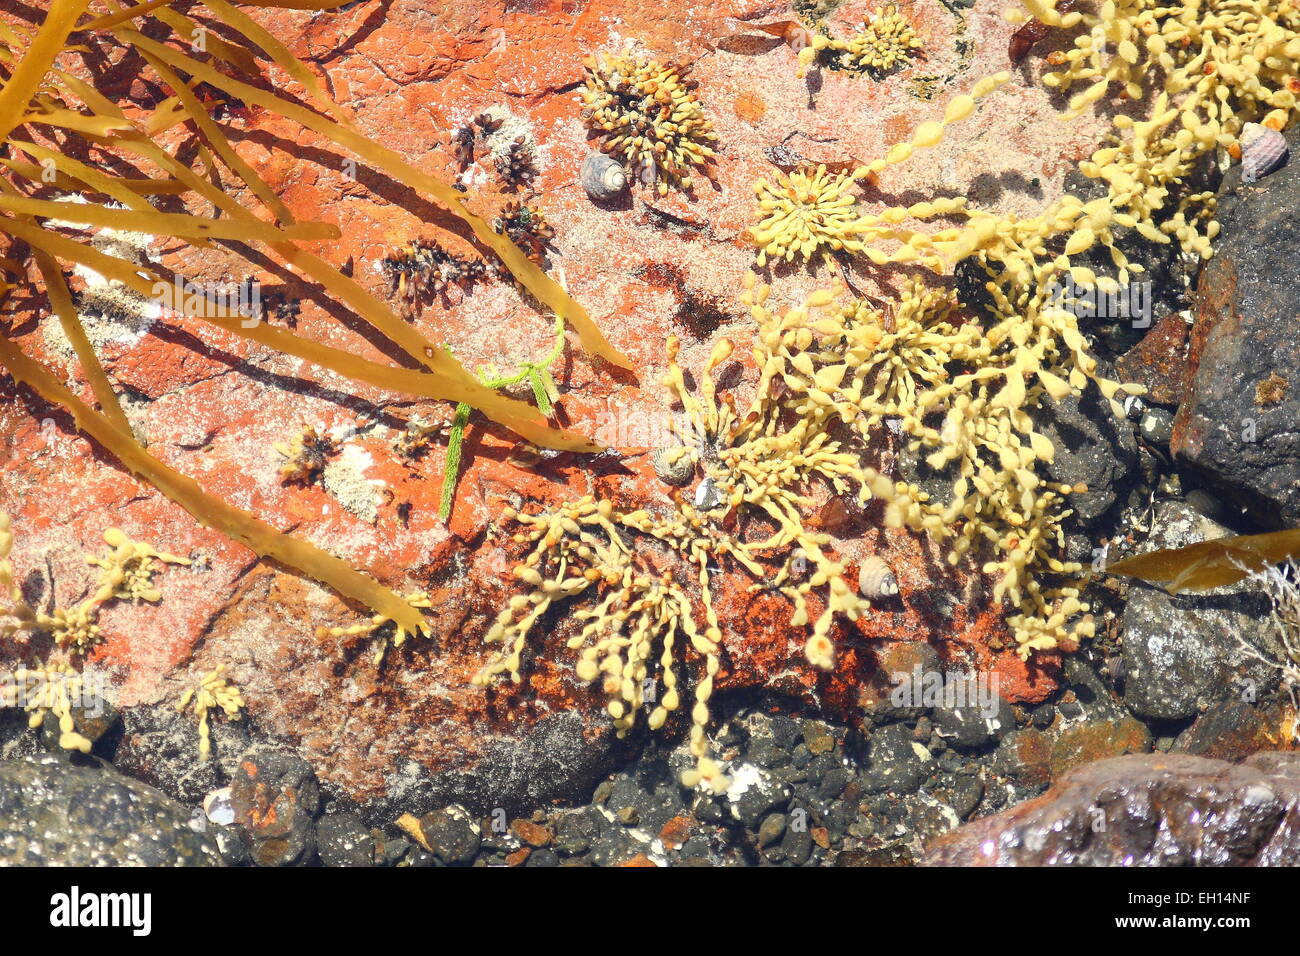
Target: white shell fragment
{"x":1263,"y":150}
{"x":708,"y":496}
{"x":602,"y":177}
{"x":876,"y":578}
{"x":219,"y":808}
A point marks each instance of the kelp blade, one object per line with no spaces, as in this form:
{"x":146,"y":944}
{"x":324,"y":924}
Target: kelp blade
{"x":1211,"y":564}
{"x":210,"y":511}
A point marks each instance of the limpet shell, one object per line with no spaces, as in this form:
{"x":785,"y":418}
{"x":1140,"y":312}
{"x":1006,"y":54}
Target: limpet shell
{"x":602,"y":177}
{"x":876,"y":578}
{"x":674,"y":472}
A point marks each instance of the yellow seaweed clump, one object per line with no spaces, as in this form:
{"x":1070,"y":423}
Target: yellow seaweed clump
{"x":806,"y":213}
{"x":126,"y":574}
{"x":48,"y":690}
{"x":761,"y":462}
{"x":212,"y":692}
{"x":1222,"y":63}
{"x":638,"y":614}
{"x":645,"y":112}
{"x":886,"y":40}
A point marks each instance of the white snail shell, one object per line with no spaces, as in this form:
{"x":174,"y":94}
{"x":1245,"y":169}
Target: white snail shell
{"x":603,"y":177}
{"x":876,"y":578}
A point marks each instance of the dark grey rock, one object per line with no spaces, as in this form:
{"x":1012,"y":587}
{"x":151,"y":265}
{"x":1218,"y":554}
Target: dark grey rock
{"x":967,"y":720}
{"x":452,"y":834}
{"x":577,"y":831}
{"x":1181,"y":652}
{"x":1093,"y":447}
{"x":276,"y":799}
{"x":893,"y":763}
{"x":342,"y":839}
{"x":1094,"y":699}
{"x":1237,"y":425}
{"x":57,"y":812}
{"x":755,"y":793}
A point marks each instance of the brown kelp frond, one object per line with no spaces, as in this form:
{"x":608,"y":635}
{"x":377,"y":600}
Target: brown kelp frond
{"x":210,"y":511}
{"x":1211,"y":564}
{"x":42,"y":105}
{"x":516,"y":415}
{"x":545,"y":289}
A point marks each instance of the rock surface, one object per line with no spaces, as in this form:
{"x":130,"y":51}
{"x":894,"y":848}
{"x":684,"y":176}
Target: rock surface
{"x":54,"y":812}
{"x":1238,"y":423}
{"x":1182,"y":652}
{"x":1145,"y":810}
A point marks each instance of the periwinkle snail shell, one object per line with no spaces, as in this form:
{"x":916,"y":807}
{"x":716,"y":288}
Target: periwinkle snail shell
{"x":602,"y":177}
{"x":876,"y":578}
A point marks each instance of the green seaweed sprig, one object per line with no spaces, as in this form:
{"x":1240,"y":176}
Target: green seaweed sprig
{"x":545,"y":393}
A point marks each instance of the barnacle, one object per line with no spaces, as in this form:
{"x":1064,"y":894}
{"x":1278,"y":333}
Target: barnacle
{"x":516,"y":162}
{"x":645,"y":112}
{"x":306,"y":456}
{"x":527,"y":228}
{"x":425,"y":268}
{"x":418,"y":437}
{"x":212,"y":692}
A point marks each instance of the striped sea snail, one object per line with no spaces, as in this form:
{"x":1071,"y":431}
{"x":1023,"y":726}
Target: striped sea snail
{"x":876,"y":578}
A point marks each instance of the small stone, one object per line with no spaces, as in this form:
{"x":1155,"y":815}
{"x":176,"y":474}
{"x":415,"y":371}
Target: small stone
{"x":771,"y":829}
{"x":276,"y":797}
{"x":343,"y":840}
{"x":531,"y":833}
{"x":451,"y":835}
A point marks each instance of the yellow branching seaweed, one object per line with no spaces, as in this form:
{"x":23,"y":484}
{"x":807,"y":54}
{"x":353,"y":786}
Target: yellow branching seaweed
{"x":52,"y":689}
{"x":646,"y":113}
{"x":762,"y":462}
{"x":886,"y":40}
{"x":806,"y":213}
{"x":211,"y":693}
